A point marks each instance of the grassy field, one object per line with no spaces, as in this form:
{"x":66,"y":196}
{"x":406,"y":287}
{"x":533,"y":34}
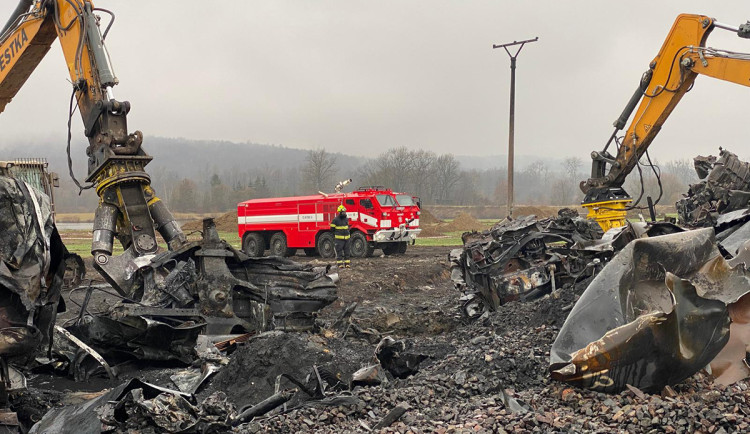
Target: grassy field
{"x":449,"y":239}
{"x":80,"y":241}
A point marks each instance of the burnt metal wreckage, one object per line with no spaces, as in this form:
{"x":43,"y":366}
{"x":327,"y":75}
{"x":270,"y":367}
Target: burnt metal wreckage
{"x":31,"y":278}
{"x":228,"y":290}
{"x":168,"y":299}
{"x":660,"y":311}
{"x":661,"y":301}
{"x":146,"y":407}
{"x":204,"y":287}
{"x":527,"y":258}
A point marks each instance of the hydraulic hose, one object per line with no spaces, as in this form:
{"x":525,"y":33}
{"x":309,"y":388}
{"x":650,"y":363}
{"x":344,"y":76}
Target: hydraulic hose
{"x":22,"y":8}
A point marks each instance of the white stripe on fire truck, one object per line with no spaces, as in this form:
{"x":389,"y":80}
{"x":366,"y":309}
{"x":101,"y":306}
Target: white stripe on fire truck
{"x":369,"y":220}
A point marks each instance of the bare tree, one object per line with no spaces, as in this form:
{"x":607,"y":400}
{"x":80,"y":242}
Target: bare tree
{"x":447,"y":175}
{"x":533,"y":184}
{"x":185,"y":196}
{"x":538,"y":169}
{"x":571,"y":165}
{"x":319,"y":170}
{"x":392,"y":168}
{"x":561,"y":191}
{"x":683,"y":169}
{"x":422,"y":170}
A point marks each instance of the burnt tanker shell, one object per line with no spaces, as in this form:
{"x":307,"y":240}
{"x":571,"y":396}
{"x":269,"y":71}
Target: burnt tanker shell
{"x":647,"y":319}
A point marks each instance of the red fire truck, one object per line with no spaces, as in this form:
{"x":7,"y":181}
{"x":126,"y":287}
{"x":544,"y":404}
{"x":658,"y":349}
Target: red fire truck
{"x":378,"y":219}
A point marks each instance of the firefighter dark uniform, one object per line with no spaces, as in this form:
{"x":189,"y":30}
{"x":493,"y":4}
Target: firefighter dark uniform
{"x":340,"y":228}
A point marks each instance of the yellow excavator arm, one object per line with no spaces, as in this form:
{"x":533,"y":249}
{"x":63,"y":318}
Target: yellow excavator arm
{"x":128,"y":207}
{"x":671,"y":74}
{"x":28,"y":36}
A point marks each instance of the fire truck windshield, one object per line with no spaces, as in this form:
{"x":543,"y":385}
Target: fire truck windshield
{"x":404,"y":200}
{"x":385,"y":200}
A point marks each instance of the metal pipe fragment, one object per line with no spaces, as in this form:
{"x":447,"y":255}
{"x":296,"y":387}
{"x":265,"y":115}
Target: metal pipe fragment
{"x":264,"y":406}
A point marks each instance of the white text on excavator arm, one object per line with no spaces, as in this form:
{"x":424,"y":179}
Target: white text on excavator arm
{"x":128,"y":208}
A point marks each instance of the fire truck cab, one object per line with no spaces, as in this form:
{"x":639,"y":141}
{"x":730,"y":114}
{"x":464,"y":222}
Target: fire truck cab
{"x":378,"y":219}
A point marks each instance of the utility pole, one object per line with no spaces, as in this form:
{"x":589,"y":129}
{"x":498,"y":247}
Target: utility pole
{"x":512,"y":112}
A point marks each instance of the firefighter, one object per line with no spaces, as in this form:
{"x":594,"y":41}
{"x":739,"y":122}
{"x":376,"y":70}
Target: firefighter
{"x":340,"y":228}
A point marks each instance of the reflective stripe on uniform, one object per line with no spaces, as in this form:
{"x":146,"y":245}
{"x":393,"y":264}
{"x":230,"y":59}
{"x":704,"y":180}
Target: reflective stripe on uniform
{"x":341,"y":227}
{"x":342,"y":237}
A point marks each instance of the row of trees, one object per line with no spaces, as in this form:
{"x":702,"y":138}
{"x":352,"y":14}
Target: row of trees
{"x":432,"y":177}
{"x":435,"y":178}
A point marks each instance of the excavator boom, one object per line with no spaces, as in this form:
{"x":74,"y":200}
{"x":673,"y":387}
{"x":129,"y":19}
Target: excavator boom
{"x":206,"y":280}
{"x":129,"y":208}
{"x":671,"y":74}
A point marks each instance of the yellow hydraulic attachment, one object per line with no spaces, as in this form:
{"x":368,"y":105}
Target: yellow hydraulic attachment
{"x":671,"y":74}
{"x":610,"y":214}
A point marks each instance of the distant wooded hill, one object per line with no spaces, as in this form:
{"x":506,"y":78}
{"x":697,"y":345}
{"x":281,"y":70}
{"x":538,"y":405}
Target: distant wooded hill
{"x":212,"y":175}
{"x":177,"y":154}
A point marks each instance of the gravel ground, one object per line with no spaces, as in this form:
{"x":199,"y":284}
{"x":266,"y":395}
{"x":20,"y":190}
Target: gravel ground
{"x":505,"y":356}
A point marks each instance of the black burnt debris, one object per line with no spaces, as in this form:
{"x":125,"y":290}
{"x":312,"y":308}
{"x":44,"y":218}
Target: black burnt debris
{"x":32,"y":265}
{"x":210,"y":281}
{"x":664,"y":297}
{"x":486,"y":376}
{"x":526,"y":258}
{"x":136,"y":405}
{"x":725,"y":187}
{"x":561,"y":328}
{"x":166,"y":302}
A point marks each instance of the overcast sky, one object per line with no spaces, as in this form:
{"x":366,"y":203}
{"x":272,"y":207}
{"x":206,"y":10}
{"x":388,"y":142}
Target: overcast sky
{"x":362,"y":76}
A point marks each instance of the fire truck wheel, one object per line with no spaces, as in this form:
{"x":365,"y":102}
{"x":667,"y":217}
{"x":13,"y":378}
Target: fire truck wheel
{"x":402,"y":247}
{"x":278,"y":245}
{"x":311,"y":251}
{"x":325,"y":246}
{"x":358,"y":245}
{"x":253,"y":244}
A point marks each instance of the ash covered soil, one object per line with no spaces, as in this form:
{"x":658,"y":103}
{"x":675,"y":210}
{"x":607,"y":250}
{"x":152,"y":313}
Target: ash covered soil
{"x":402,"y":295}
{"x":486,"y":376}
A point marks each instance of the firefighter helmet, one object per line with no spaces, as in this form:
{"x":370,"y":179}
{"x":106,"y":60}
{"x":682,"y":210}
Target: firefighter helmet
{"x":341,"y":208}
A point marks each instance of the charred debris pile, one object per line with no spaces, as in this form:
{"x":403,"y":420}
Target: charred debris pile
{"x":664,"y":301}
{"x":259,"y":382}
{"x":490,"y":375}
{"x":160,"y":309}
